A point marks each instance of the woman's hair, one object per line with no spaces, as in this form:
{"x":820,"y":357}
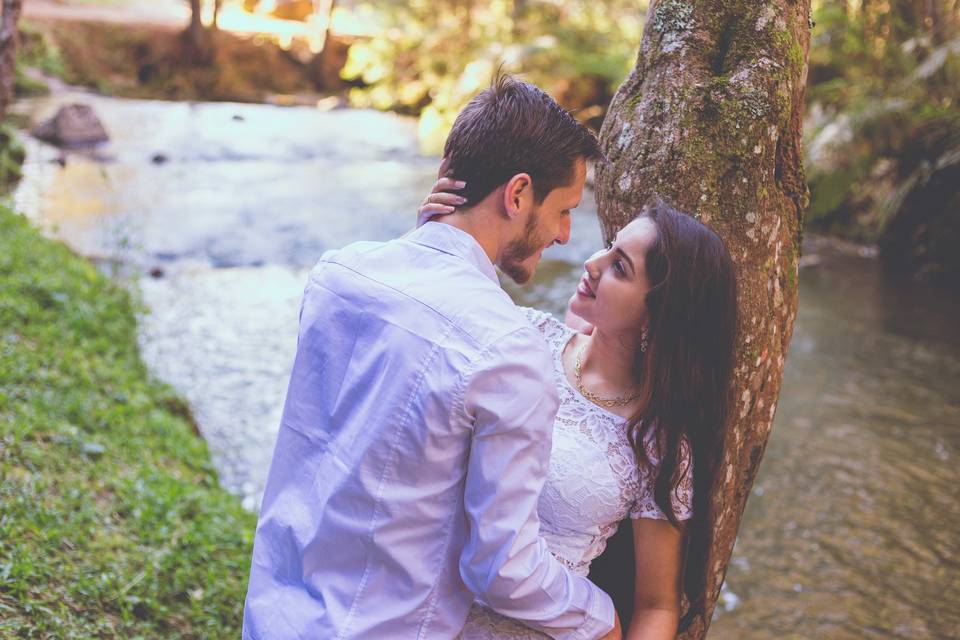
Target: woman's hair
{"x":685,"y":374}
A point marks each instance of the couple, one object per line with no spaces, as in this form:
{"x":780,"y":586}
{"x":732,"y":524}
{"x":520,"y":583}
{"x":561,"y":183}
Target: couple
{"x":449,"y":464}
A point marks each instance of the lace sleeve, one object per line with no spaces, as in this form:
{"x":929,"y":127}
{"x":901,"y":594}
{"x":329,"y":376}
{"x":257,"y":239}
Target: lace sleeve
{"x":682,"y":498}
{"x":545,"y":323}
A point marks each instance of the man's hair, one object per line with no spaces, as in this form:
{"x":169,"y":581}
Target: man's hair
{"x":514,"y":127}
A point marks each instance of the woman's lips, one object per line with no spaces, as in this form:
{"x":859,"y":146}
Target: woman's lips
{"x":583,"y":289}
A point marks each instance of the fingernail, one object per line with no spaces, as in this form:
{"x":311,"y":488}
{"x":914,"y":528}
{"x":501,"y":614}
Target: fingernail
{"x":450,"y":209}
{"x":459,"y":184}
{"x":461,"y":200}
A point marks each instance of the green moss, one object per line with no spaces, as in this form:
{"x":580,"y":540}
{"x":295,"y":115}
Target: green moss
{"x":113,"y":522}
{"x":792,"y":275}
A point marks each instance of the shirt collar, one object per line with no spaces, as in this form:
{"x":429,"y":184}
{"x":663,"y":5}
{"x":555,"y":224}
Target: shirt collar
{"x":448,"y":239}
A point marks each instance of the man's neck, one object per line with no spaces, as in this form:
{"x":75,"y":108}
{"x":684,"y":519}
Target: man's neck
{"x":478,"y":226}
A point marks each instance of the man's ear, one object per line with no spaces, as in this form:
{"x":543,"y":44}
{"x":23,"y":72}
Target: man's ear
{"x":518,"y":195}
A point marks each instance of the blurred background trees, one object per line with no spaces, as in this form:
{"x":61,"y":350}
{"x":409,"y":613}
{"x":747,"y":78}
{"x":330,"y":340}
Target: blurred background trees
{"x":8,"y":51}
{"x":882,"y":134}
{"x":436,"y":55}
{"x":882,"y":130}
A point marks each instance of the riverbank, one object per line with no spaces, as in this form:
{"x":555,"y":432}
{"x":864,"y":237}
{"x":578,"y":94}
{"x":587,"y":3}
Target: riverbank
{"x":114,"y":523}
{"x":147,"y":60}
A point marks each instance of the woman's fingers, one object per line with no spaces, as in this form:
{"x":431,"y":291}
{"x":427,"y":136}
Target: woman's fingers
{"x":451,"y":199}
{"x":440,"y":202}
{"x":447,"y":184}
{"x":436,"y":209}
{"x":430,"y":210}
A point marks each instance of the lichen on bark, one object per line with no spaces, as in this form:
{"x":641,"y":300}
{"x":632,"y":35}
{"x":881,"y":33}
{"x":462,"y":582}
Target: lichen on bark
{"x":672,"y":15}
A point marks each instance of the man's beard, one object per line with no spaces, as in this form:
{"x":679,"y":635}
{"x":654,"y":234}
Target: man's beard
{"x":514,"y":254}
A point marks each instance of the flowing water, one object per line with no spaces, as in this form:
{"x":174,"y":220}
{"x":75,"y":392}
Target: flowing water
{"x":215,"y":212}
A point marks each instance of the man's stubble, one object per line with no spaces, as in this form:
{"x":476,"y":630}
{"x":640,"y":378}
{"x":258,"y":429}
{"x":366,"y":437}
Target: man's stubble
{"x":519,"y":250}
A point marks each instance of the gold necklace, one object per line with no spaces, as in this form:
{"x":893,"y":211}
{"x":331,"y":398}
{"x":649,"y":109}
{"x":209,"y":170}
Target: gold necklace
{"x":592,"y":397}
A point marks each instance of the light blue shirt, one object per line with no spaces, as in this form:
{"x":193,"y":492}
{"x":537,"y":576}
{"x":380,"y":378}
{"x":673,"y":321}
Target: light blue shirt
{"x":414,"y":444}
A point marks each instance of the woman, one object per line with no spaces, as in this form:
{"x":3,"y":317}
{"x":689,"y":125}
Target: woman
{"x":642,"y":367}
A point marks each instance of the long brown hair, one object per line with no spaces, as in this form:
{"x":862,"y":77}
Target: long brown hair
{"x":685,"y":375}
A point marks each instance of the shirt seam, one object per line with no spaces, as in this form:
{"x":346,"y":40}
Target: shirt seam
{"x":388,"y":467}
{"x":459,"y":408}
{"x":432,"y":603}
{"x":476,"y":343}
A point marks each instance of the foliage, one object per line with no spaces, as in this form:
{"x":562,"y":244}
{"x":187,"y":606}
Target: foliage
{"x":113,"y":523}
{"x":39,"y":50}
{"x":884,"y":96}
{"x":439,"y":54}
{"x":36,"y":50}
{"x":11,"y":157}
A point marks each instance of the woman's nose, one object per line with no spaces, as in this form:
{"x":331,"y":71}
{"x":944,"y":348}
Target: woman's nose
{"x":591,"y":265}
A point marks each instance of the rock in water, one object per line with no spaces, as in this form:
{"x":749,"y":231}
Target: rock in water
{"x":923,"y":229}
{"x":74,"y":125}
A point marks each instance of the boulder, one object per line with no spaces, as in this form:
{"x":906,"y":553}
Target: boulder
{"x":74,"y":125}
{"x":921,"y":238}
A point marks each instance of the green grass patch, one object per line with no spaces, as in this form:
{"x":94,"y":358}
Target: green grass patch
{"x":113,"y":523}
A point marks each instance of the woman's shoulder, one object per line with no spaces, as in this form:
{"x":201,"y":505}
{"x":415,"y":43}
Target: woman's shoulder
{"x":547,"y":324}
{"x":681,"y":497}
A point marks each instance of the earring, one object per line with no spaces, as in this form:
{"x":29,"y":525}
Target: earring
{"x":643,"y":340}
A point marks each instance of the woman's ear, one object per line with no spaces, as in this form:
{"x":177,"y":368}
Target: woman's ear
{"x":518,"y":195}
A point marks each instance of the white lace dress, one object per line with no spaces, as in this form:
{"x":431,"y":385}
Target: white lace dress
{"x":593,"y":483}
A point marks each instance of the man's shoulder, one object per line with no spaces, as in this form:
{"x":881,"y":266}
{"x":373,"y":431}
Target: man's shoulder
{"x":421,"y":282}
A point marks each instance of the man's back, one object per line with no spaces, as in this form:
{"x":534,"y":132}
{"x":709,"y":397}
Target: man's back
{"x":363,"y":523}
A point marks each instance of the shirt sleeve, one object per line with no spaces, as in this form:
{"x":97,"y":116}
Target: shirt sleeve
{"x":682,"y":497}
{"x":512,"y":404}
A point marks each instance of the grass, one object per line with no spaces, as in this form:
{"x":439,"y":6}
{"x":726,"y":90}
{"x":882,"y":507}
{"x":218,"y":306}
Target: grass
{"x":113,"y":524}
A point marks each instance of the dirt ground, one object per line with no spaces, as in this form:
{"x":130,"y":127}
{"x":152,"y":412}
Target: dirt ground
{"x":169,"y":13}
{"x":135,"y":48}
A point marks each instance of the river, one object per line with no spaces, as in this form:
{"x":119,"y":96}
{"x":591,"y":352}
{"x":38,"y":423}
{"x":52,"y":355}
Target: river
{"x":212,"y":213}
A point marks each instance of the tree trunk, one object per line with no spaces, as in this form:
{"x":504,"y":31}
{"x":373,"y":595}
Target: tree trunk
{"x":8,"y":52}
{"x":710,"y":119}
{"x":199,"y":47}
{"x":318,"y":65}
{"x":217,"y":6}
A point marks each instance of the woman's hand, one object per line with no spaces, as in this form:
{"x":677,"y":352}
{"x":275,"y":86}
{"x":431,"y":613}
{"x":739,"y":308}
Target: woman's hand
{"x":440,"y":202}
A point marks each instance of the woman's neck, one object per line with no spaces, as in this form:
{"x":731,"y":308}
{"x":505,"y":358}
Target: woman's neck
{"x":606,"y":359}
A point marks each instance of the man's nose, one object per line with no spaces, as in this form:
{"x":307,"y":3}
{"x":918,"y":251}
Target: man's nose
{"x":564,"y":235}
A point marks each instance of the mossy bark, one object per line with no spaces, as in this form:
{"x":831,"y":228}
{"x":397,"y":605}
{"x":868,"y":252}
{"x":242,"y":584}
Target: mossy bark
{"x":710,"y":119}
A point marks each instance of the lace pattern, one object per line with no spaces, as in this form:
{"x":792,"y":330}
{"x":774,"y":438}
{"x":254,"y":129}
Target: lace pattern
{"x":593,"y":483}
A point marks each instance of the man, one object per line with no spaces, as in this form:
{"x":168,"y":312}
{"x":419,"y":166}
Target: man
{"x":416,"y":432}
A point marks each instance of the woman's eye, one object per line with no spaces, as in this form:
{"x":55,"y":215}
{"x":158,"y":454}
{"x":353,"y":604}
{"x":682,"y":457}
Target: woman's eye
{"x":618,"y":265}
